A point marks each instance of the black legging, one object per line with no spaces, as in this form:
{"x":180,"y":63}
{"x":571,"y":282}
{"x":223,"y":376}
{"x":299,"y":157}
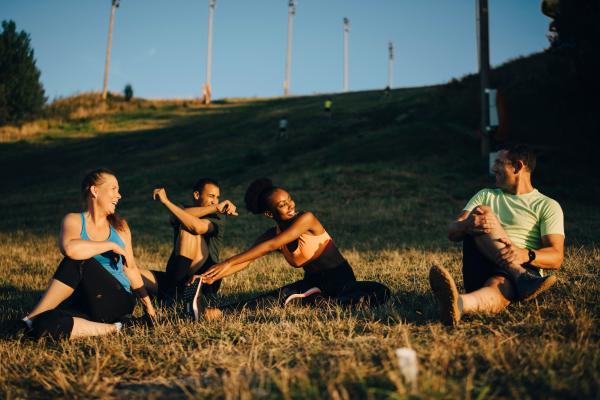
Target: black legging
{"x":338,"y":283}
{"x":170,"y":283}
{"x":98,"y":297}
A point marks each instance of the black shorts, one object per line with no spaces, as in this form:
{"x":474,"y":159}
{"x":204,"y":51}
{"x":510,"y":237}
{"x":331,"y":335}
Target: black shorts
{"x":477,"y":269}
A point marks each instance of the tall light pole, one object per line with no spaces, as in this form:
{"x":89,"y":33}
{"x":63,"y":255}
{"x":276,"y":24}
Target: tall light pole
{"x":390,"y":64}
{"x":115,"y":4}
{"x":206,"y":91}
{"x":346,"y":30}
{"x":288,"y":59}
{"x":483,"y":52}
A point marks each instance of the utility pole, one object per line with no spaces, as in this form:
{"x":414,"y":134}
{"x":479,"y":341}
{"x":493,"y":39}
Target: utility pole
{"x":346,"y":30}
{"x":390,"y":64}
{"x":288,"y":59}
{"x":206,"y":91}
{"x":483,"y":52}
{"x":115,"y":4}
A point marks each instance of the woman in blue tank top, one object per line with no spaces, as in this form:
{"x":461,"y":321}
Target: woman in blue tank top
{"x":95,"y":287}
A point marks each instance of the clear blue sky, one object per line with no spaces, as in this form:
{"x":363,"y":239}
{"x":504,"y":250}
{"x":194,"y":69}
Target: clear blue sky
{"x":160,"y":46}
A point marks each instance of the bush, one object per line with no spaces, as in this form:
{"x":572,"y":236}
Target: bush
{"x":128,"y":92}
{"x":21,"y":92}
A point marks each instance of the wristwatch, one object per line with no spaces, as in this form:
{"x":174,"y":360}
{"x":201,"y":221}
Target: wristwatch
{"x":531,"y":254}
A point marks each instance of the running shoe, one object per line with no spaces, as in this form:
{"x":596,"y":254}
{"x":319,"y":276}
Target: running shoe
{"x":191,"y":299}
{"x":529,"y":285}
{"x":444,"y":290}
{"x":302,"y":297}
{"x":130,"y":321}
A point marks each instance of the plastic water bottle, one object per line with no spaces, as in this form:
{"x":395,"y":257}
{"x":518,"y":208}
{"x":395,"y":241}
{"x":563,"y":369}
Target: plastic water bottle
{"x":408,"y":364}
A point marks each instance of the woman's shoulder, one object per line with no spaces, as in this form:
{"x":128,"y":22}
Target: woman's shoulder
{"x":72,"y":218}
{"x":123,"y":227}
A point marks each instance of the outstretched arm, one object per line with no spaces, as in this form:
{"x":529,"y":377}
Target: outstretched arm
{"x":306,"y":222}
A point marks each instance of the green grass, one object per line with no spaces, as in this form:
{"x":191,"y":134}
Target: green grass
{"x":385,"y":176}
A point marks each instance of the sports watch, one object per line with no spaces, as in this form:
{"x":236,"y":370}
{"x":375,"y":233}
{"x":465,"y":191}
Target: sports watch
{"x":531,"y":255}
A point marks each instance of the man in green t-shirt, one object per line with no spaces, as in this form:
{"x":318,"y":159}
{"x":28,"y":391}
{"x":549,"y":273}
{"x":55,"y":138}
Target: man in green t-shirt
{"x":510,"y":235}
{"x":198,"y":238}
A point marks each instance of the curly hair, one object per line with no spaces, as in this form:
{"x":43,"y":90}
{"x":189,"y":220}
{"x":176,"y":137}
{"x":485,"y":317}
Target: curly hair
{"x":257,"y":195}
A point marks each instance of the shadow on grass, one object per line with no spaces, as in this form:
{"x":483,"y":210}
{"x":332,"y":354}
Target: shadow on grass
{"x":409,"y":307}
{"x":16,"y":302}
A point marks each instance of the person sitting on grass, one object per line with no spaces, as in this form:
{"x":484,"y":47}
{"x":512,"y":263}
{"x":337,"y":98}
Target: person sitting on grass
{"x":304,"y":243}
{"x":197,"y":240}
{"x":510,"y":236}
{"x":94,"y":290}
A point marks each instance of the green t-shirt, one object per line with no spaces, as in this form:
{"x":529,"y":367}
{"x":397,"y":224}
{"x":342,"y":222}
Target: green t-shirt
{"x":526,"y":218}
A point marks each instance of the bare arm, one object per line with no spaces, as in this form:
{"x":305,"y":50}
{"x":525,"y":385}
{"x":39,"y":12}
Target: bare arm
{"x":132,"y":272}
{"x":552,"y":253}
{"x":549,"y":256}
{"x":71,"y":245}
{"x":191,"y":223}
{"x":304,"y":223}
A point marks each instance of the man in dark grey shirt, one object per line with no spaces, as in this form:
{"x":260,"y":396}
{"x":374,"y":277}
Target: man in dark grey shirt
{"x":198,"y":238}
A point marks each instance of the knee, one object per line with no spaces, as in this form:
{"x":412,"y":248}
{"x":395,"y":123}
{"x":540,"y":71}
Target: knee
{"x":53,"y":323}
{"x":485,"y":210}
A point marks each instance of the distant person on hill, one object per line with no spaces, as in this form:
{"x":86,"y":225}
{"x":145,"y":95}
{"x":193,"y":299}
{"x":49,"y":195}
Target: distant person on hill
{"x":304,"y":243}
{"x":283,"y":128}
{"x":94,"y":290}
{"x":510,"y":236}
{"x":197,"y":240}
{"x":327,"y":107}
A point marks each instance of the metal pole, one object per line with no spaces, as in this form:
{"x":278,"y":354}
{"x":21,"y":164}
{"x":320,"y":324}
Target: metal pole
{"x":390,"y":64}
{"x":346,"y":30}
{"x":207,"y":88}
{"x":288,"y":59}
{"x":115,"y":4}
{"x":484,"y":71}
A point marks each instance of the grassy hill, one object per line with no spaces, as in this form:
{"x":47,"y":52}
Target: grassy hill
{"x":384,"y":174}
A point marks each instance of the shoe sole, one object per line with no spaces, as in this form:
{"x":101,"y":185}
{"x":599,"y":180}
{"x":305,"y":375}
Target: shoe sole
{"x":444,"y":290}
{"x":545,"y":286}
{"x":191,"y":294}
{"x":309,"y":292}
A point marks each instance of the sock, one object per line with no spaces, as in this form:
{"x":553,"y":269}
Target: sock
{"x":27,"y":322}
{"x":119,"y":326}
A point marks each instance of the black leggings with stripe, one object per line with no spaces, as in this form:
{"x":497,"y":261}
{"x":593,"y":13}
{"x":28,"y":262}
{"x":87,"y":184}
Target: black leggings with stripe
{"x":338,"y":284}
{"x":98,"y":296}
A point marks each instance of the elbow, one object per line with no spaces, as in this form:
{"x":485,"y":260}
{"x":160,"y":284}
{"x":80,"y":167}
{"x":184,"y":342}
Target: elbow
{"x":67,"y":251}
{"x":559,"y":261}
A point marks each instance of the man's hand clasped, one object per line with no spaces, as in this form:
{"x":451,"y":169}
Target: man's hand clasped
{"x":511,"y":254}
{"x":478,"y":223}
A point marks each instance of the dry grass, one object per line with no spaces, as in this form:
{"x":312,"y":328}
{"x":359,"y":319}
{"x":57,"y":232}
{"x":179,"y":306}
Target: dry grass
{"x":384,"y":191}
{"x":547,"y":348}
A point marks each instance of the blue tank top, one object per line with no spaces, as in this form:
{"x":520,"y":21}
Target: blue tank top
{"x":107,"y":259}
